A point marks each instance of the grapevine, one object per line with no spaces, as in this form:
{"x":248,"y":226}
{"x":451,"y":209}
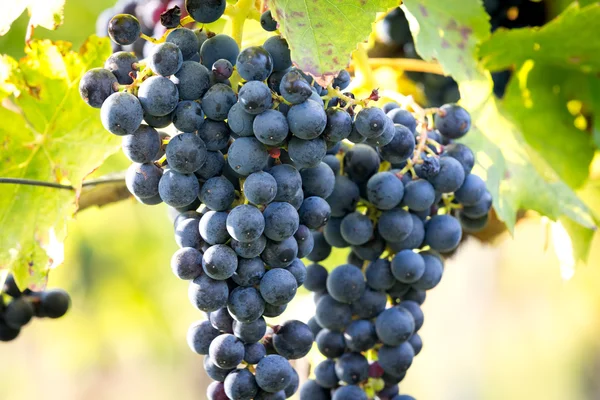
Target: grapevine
{"x":270,"y":163}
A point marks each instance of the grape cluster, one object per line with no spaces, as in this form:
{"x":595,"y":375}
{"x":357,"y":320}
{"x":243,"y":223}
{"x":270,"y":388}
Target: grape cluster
{"x":259,"y":175}
{"x":399,"y":208}
{"x":18,"y":308}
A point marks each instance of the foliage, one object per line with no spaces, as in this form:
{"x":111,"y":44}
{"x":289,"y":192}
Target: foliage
{"x":534,"y":147}
{"x":322,"y":34}
{"x":44,"y":13}
{"x":527,"y":149}
{"x":49,"y":135}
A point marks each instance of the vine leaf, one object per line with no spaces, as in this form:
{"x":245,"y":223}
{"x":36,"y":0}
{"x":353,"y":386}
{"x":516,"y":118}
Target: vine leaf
{"x":323,"y":33}
{"x":49,"y":134}
{"x":508,"y":145}
{"x":48,"y":14}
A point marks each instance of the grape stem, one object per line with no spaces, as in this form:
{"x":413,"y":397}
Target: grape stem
{"x":335,"y":92}
{"x":53,"y":185}
{"x":408,"y":64}
{"x":238,"y":13}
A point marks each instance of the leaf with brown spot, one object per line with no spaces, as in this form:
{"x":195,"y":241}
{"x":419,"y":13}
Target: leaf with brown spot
{"x":323,"y":34}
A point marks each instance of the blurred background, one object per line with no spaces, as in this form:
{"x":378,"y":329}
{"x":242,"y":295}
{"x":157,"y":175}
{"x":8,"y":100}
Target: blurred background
{"x":503,"y":324}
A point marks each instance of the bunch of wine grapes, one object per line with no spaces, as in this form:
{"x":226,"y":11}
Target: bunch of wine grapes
{"x":260,"y":174}
{"x":399,"y":209}
{"x":18,"y":308}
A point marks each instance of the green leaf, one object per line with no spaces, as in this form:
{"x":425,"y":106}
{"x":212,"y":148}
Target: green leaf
{"x":49,"y":134}
{"x":564,"y":42}
{"x":516,"y":175}
{"x":518,"y":144}
{"x":450,"y":34}
{"x":48,"y":14}
{"x":536,"y":99}
{"x":323,"y":34}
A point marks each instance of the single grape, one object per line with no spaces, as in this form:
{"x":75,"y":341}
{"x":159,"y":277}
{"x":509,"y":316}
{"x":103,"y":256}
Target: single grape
{"x":121,"y":65}
{"x":413,"y":308}
{"x":205,"y":11}
{"x":395,"y":360}
{"x":267,"y":21}
{"x":221,"y":320}
{"x":226,"y":351}
{"x":121,"y":114}
{"x":452,"y":121}
{"x":207,"y":294}
{"x":379,"y":275}
{"x":239,"y":121}
{"x":419,"y":195}
{"x":321,"y":249}
{"x":213,"y":165}
{"x":178,"y":190}
{"x":394,"y":326}
{"x":249,"y":249}
{"x":311,"y":390}
{"x":344,"y":197}
{"x":199,"y":336}
{"x":192,"y":80}
{"x":213,"y":227}
{"x":434,"y":268}
{"x":403,"y":117}
{"x":187,"y":234}
{"x":245,"y":223}
{"x":254,"y":353}
{"x":318,"y":181}
{"x":158,"y":95}
{"x":305,"y":241}
{"x":451,"y":176}
{"x":314,"y":212}
{"x":443,"y":233}
{"x":352,"y":368}
{"x":346,"y":283}
{"x":273,"y":373}
{"x":222,"y":69}
{"x":408,"y":266}
{"x":186,"y":40}
{"x":356,"y":228}
{"x":188,"y":116}
{"x":240,"y":385}
{"x":218,"y":47}
{"x":280,"y":54}
{"x":260,"y":188}
{"x":217,"y":193}
{"x":142,"y":180}
{"x":471,"y":191}
{"x":370,"y":122}
{"x":215,"y":134}
{"x":186,"y":263}
{"x":462,"y":154}
{"x":385,"y":190}
{"x":415,"y":238}
{"x":255,"y":97}
{"x":293,"y":340}
{"x":142,"y":145}
{"x":395,"y":225}
{"x":271,"y":127}
{"x":165,"y":59}
{"x":214,"y":372}
{"x":342,"y":80}
{"x":249,"y":271}
{"x":479,"y":209}
{"x":217,"y":101}
{"x":400,"y":148}
{"x":124,"y":29}
{"x":289,"y":182}
{"x":96,"y":86}
{"x":254,"y":64}
{"x":158,"y":122}
{"x":186,"y":153}
{"x":325,"y":374}
{"x":360,"y":335}
{"x":294,"y":88}
{"x":247,"y":155}
{"x":307,"y":153}
{"x":278,"y":286}
{"x":361,"y":162}
{"x":246,"y":306}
